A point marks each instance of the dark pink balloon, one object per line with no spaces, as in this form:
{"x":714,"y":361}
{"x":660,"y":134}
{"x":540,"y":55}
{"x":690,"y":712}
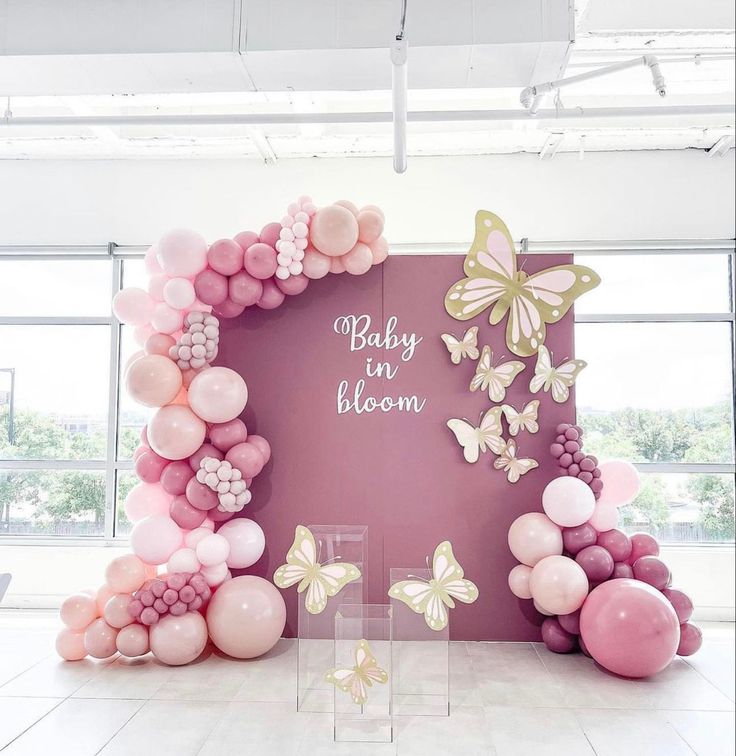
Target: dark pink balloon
{"x":616,"y":543}
{"x":185,"y":515}
{"x":218,"y":516}
{"x":293,"y":284}
{"x":244,"y":290}
{"x":576,"y":539}
{"x":691,"y":639}
{"x":270,"y":233}
{"x":622,"y":570}
{"x":149,"y":466}
{"x":211,"y":287}
{"x":681,"y":603}
{"x":596,"y":562}
{"x":201,"y":496}
{"x":226,"y":435}
{"x":556,"y":638}
{"x":642,"y":544}
{"x":246,"y":239}
{"x":206,"y":450}
{"x":247,"y":458}
{"x":142,"y":449}
{"x":260,"y":260}
{"x":272,"y":297}
{"x":175,"y":477}
{"x":228,"y":309}
{"x":262,"y":445}
{"x":570,"y":622}
{"x":225,"y":256}
{"x":652,"y":570}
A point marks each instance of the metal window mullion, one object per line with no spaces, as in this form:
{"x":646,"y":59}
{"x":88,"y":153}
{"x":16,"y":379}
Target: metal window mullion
{"x":53,"y":464}
{"x":702,"y":468}
{"x":54,"y":320}
{"x":674,"y":317}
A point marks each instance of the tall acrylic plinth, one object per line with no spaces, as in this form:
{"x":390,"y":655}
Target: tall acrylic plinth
{"x":421,"y":657}
{"x":316,"y":632}
{"x":363,"y":712}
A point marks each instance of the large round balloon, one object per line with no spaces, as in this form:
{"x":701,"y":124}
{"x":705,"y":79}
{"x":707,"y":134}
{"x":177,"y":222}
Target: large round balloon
{"x":246,"y":617}
{"x":559,"y":584}
{"x":630,"y":628}
{"x":175,"y":432}
{"x":218,"y":395}
{"x":178,"y":639}
{"x":568,"y":502}
{"x":620,"y":482}
{"x":533,"y":536}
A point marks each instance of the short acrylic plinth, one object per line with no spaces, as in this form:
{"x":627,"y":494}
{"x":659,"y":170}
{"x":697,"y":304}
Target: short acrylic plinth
{"x":361,"y":628}
{"x":421,"y":657}
{"x":316,"y":632}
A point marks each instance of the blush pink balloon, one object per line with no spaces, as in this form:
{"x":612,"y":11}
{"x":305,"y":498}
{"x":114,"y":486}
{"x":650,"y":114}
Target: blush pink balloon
{"x":70,"y":644}
{"x":629,"y":628}
{"x":201,"y":496}
{"x":133,"y":306}
{"x":247,"y":458}
{"x":293,"y":285}
{"x":211,"y":287}
{"x":155,"y":539}
{"x":315,"y":265}
{"x":182,"y":252}
{"x":175,"y":477}
{"x":681,"y":603}
{"x":559,"y":584}
{"x":140,"y":336}
{"x":379,"y":250}
{"x":246,"y":239}
{"x":149,"y":466}
{"x":153,"y":380}
{"x":359,"y":260}
{"x":370,"y":226}
{"x":78,"y":610}
{"x":132,"y":641}
{"x":104,"y":594}
{"x":337,"y":265}
{"x":568,"y":502}
{"x":183,"y":560}
{"x":166,"y":319}
{"x":99,"y":639}
{"x":617,"y":543}
{"x":212,"y":550}
{"x":156,"y":286}
{"x":244,"y":289}
{"x":177,"y":640}
{"x":226,"y":256}
{"x":259,"y":260}
{"x":151,"y":262}
{"x":246,"y":617}
{"x":125,"y":574}
{"x":228,"y":309}
{"x":206,"y":450}
{"x":519,"y":581}
{"x":349,"y":206}
{"x":620,"y":482}
{"x":642,"y":544}
{"x":604,"y":517}
{"x":184,"y":514}
{"x":270,"y":233}
{"x":159,"y":343}
{"x":262,"y":445}
{"x":218,"y":395}
{"x":146,"y":499}
{"x":225,"y":435}
{"x":532,"y":537}
{"x":116,"y":610}
{"x":179,"y":293}
{"x":271,"y":296}
{"x":334,"y":230}
{"x":175,"y":432}
{"x":247,"y":542}
{"x":652,"y":570}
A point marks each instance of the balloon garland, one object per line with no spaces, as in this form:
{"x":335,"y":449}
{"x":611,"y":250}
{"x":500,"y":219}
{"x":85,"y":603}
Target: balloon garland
{"x":196,"y":460}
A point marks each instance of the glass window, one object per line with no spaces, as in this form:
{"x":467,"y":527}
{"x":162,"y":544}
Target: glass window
{"x":133,"y":416}
{"x":126,"y":479}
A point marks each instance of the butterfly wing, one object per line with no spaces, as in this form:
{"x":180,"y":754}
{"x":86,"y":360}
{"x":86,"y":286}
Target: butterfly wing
{"x":564,"y":376}
{"x":470,"y":343}
{"x":468,"y":437}
{"x":501,"y":377}
{"x":524,"y":420}
{"x":416,"y":594}
{"x":490,"y":431}
{"x":367,"y":665}
{"x":482,"y":371}
{"x":453,"y":347}
{"x":467,"y":347}
{"x":348,"y":681}
{"x":450,"y":577}
{"x":513,"y":466}
{"x":328,"y":580}
{"x":542,"y":371}
{"x":300,"y":560}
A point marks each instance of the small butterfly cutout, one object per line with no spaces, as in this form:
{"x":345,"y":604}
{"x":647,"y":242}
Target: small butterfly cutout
{"x":475,"y":440}
{"x":494,"y":378}
{"x":357,"y":679}
{"x":462,"y":348}
{"x":513,"y":466}
{"x":559,"y":379}
{"x":525,"y":420}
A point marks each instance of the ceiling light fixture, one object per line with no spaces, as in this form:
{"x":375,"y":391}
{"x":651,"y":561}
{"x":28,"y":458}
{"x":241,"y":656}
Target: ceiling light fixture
{"x":399,"y":92}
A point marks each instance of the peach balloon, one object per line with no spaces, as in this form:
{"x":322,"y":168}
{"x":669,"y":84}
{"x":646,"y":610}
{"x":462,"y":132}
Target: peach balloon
{"x":125,"y":574}
{"x":379,"y":250}
{"x":159,"y":343}
{"x":334,"y":230}
{"x":218,"y":395}
{"x":155,"y":539}
{"x":70,"y":644}
{"x":359,"y":260}
{"x":182,"y":398}
{"x":99,"y":639}
{"x":175,"y":432}
{"x":315,"y":265}
{"x":153,"y":380}
{"x":133,"y":640}
{"x":177,"y":640}
{"x":370,"y":226}
{"x":246,"y":617}
{"x":104,"y":594}
{"x":559,"y":584}
{"x":146,"y":499}
{"x":78,"y":610}
{"x":519,"y":581}
{"x":132,"y":306}
{"x":533,"y":536}
{"x":166,"y":319}
{"x":141,"y":334}
{"x":337,"y":265}
{"x":116,"y":610}
{"x":349,"y":205}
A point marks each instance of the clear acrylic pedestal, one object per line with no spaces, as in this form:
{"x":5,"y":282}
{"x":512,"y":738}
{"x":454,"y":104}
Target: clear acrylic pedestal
{"x":371,"y":721}
{"x":421,"y":657}
{"x":316,"y":632}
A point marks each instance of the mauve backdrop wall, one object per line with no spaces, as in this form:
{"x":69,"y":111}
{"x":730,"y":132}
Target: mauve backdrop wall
{"x":402,"y":474}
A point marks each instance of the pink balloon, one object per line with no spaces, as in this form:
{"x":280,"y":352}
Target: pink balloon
{"x":155,"y":539}
{"x":153,"y":380}
{"x":183,"y":560}
{"x":226,"y":256}
{"x":179,"y":293}
{"x":206,"y":450}
{"x":642,"y":544}
{"x":533,"y":536}
{"x":259,"y":260}
{"x":225,"y":435}
{"x":175,"y":477}
{"x":596,"y":562}
{"x":620,"y":482}
{"x":629,"y":628}
{"x":166,"y":319}
{"x":271,"y":297}
{"x":293,"y":285}
{"x":691,"y":639}
{"x":215,"y":574}
{"x":146,"y":499}
{"x":133,"y":306}
{"x":218,"y":516}
{"x":104,"y":594}
{"x":262,"y":445}
{"x":375,"y":209}
{"x":622,"y":570}
{"x":556,"y":638}
{"x":247,"y":458}
{"x":177,"y":640}
{"x":576,"y":539}
{"x":337,"y":265}
{"x":116,"y":610}
{"x":175,"y":432}
{"x":213,"y":550}
{"x":125,"y":574}
{"x":228,"y":309}
{"x":568,"y":502}
{"x":359,"y":260}
{"x":201,"y":496}
{"x":246,"y":239}
{"x":156,"y":286}
{"x":150,"y":261}
{"x":211,"y":287}
{"x":149,"y":466}
{"x":370,"y":226}
{"x":70,"y":644}
{"x":379,"y":250}
{"x":652,"y":570}
{"x":350,"y":206}
{"x":78,"y":610}
{"x":604,"y":517}
{"x":315,"y":264}
{"x":184,"y":514}
{"x":270,"y":233}
{"x":570,"y":622}
{"x":681,"y":603}
{"x":142,"y":449}
{"x":559,"y":584}
{"x":519,"y":581}
{"x":182,"y":253}
{"x":133,"y":640}
{"x":99,"y":639}
{"x":244,"y":289}
{"x":247,"y":542}
{"x":246,"y":617}
{"x":141,"y":334}
{"x":159,"y":343}
{"x":334,"y":230}
{"x":218,"y":395}
{"x":617,"y":543}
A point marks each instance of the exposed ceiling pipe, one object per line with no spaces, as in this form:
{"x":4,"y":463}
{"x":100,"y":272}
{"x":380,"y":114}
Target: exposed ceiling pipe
{"x":400,"y":92}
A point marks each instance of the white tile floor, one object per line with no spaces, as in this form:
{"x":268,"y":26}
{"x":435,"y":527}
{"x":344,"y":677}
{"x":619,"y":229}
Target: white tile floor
{"x":514,"y":698}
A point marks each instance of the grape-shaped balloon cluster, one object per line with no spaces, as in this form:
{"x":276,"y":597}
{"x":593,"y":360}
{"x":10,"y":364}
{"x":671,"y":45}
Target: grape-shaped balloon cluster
{"x":567,"y":449}
{"x":197,"y":345}
{"x":175,"y":594}
{"x":227,"y":482}
{"x":294,"y":238}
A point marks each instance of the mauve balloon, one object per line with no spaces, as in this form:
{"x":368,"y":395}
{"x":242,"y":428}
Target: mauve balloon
{"x":681,"y":603}
{"x":175,"y":477}
{"x":691,"y":639}
{"x":576,"y":539}
{"x":622,"y":570}
{"x":652,"y":570}
{"x":616,"y":543}
{"x":556,"y":638}
{"x":642,"y":544}
{"x":596,"y":562}
{"x":570,"y":622}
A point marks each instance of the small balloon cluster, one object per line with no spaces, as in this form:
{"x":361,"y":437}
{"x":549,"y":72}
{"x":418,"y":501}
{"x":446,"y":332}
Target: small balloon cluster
{"x":197,"y":460}
{"x":567,"y":449}
{"x":594,"y":587}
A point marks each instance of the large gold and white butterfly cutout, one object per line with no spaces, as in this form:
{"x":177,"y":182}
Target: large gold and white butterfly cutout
{"x":433,"y":597}
{"x":558,"y":379}
{"x":357,"y":679}
{"x":320,"y":581}
{"x":476,"y":440}
{"x":524,"y":420}
{"x":513,"y":466}
{"x":532,"y":301}
{"x":494,"y":378}
{"x":461,"y":348}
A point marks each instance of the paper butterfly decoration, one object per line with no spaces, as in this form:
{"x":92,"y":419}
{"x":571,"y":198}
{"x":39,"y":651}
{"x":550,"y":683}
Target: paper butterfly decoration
{"x":320,"y":581}
{"x":524,"y":420}
{"x":513,"y":466}
{"x":475,"y":440}
{"x":494,"y":378}
{"x":532,"y":301}
{"x":467,"y":347}
{"x":433,"y":597}
{"x":356,"y":680}
{"x":559,"y":378}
